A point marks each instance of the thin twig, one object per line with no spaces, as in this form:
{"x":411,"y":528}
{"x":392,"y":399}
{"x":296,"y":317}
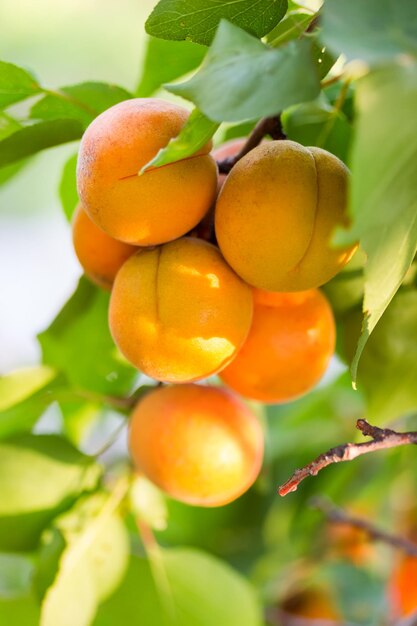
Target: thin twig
{"x":382,"y":439}
{"x":336,"y":515}
{"x":266,"y":126}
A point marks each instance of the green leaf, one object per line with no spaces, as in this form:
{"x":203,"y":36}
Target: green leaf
{"x":68,"y":187}
{"x":8,"y":125}
{"x":388,"y":367}
{"x":82,"y":102}
{"x":319,"y":124}
{"x":31,"y":139}
{"x":16,"y":84}
{"x":196,"y":586}
{"x":195,"y":133}
{"x":291,"y":27}
{"x":197,"y":20}
{"x":16,"y":572}
{"x":374,"y":31}
{"x":91,"y":565}
{"x":78,"y":343}
{"x":24,"y":395}
{"x":39,"y":477}
{"x":23,"y":611}
{"x":179,"y":58}
{"x":260,"y":81}
{"x":384,"y":196}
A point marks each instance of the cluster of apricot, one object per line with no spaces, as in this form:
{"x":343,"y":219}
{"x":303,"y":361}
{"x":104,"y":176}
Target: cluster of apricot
{"x":183,"y":309}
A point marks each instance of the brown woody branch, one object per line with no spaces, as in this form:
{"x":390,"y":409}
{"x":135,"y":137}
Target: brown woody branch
{"x":382,"y":439}
{"x":336,"y":515}
{"x":271,"y":126}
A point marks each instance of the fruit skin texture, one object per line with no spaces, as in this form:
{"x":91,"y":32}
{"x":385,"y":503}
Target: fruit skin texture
{"x":288,"y":348}
{"x":100,"y":255}
{"x":178,"y":312}
{"x":158,"y":206}
{"x":276,"y":213}
{"x":200,"y":444}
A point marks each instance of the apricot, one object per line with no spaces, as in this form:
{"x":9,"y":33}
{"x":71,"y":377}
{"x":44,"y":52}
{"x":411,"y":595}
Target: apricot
{"x":402,"y":589}
{"x":100,"y":255}
{"x":200,"y":444}
{"x":178,"y":312}
{"x":288,"y":348}
{"x":276,"y":213}
{"x":157,"y":206}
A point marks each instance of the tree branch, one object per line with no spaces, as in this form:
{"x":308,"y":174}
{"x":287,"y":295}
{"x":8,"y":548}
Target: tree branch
{"x":336,"y":515}
{"x":266,"y":126}
{"x":382,"y":439}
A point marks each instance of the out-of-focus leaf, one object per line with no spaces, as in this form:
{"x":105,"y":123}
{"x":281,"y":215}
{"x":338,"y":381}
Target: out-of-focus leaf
{"x":16,"y":84}
{"x":384,"y":196}
{"x":82,"y":102}
{"x":39,"y":477}
{"x":91,"y":565}
{"x":15,"y":575}
{"x":375,"y":30}
{"x":319,"y":124}
{"x":345,"y":290}
{"x":79,"y":416}
{"x":31,"y":139}
{"x":388,"y":369}
{"x":24,"y":395}
{"x":196,"y":585}
{"x":197,"y":20}
{"x":78,"y":343}
{"x":148,"y":503}
{"x":195,"y":133}
{"x":166,"y":61}
{"x":8,"y":125}
{"x":68,"y":187}
{"x":260,"y":81}
{"x":23,"y":611}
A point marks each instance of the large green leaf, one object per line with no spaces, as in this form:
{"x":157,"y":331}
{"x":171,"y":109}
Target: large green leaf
{"x":372,"y":30}
{"x":39,"y":477}
{"x":384,"y":186}
{"x":16,"y":84}
{"x":78,"y":343}
{"x":179,"y":58}
{"x":388,"y":369}
{"x":197,"y":20}
{"x":195,"y":133}
{"x":23,"y":611}
{"x":91,"y":562}
{"x":24,"y":395}
{"x":260,"y":80}
{"x":81,"y":102}
{"x":68,"y":187}
{"x":31,"y":139}
{"x":196,"y":585}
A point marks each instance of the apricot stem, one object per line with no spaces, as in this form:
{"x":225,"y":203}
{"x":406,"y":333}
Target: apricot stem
{"x":266,"y":126}
{"x":336,"y":515}
{"x":382,"y":439}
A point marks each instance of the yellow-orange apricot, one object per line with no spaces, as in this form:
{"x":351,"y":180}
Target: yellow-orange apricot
{"x":288,"y":348}
{"x":161,"y":204}
{"x":100,"y":255}
{"x":200,"y":444}
{"x":178,"y":312}
{"x":276,"y":213}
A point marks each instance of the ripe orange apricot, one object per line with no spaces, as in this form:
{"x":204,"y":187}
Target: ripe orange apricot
{"x":178,"y":312}
{"x":100,"y":255}
{"x":200,"y":444}
{"x":288,"y":348}
{"x":276,"y":213}
{"x":161,"y":204}
{"x":402,"y":590}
